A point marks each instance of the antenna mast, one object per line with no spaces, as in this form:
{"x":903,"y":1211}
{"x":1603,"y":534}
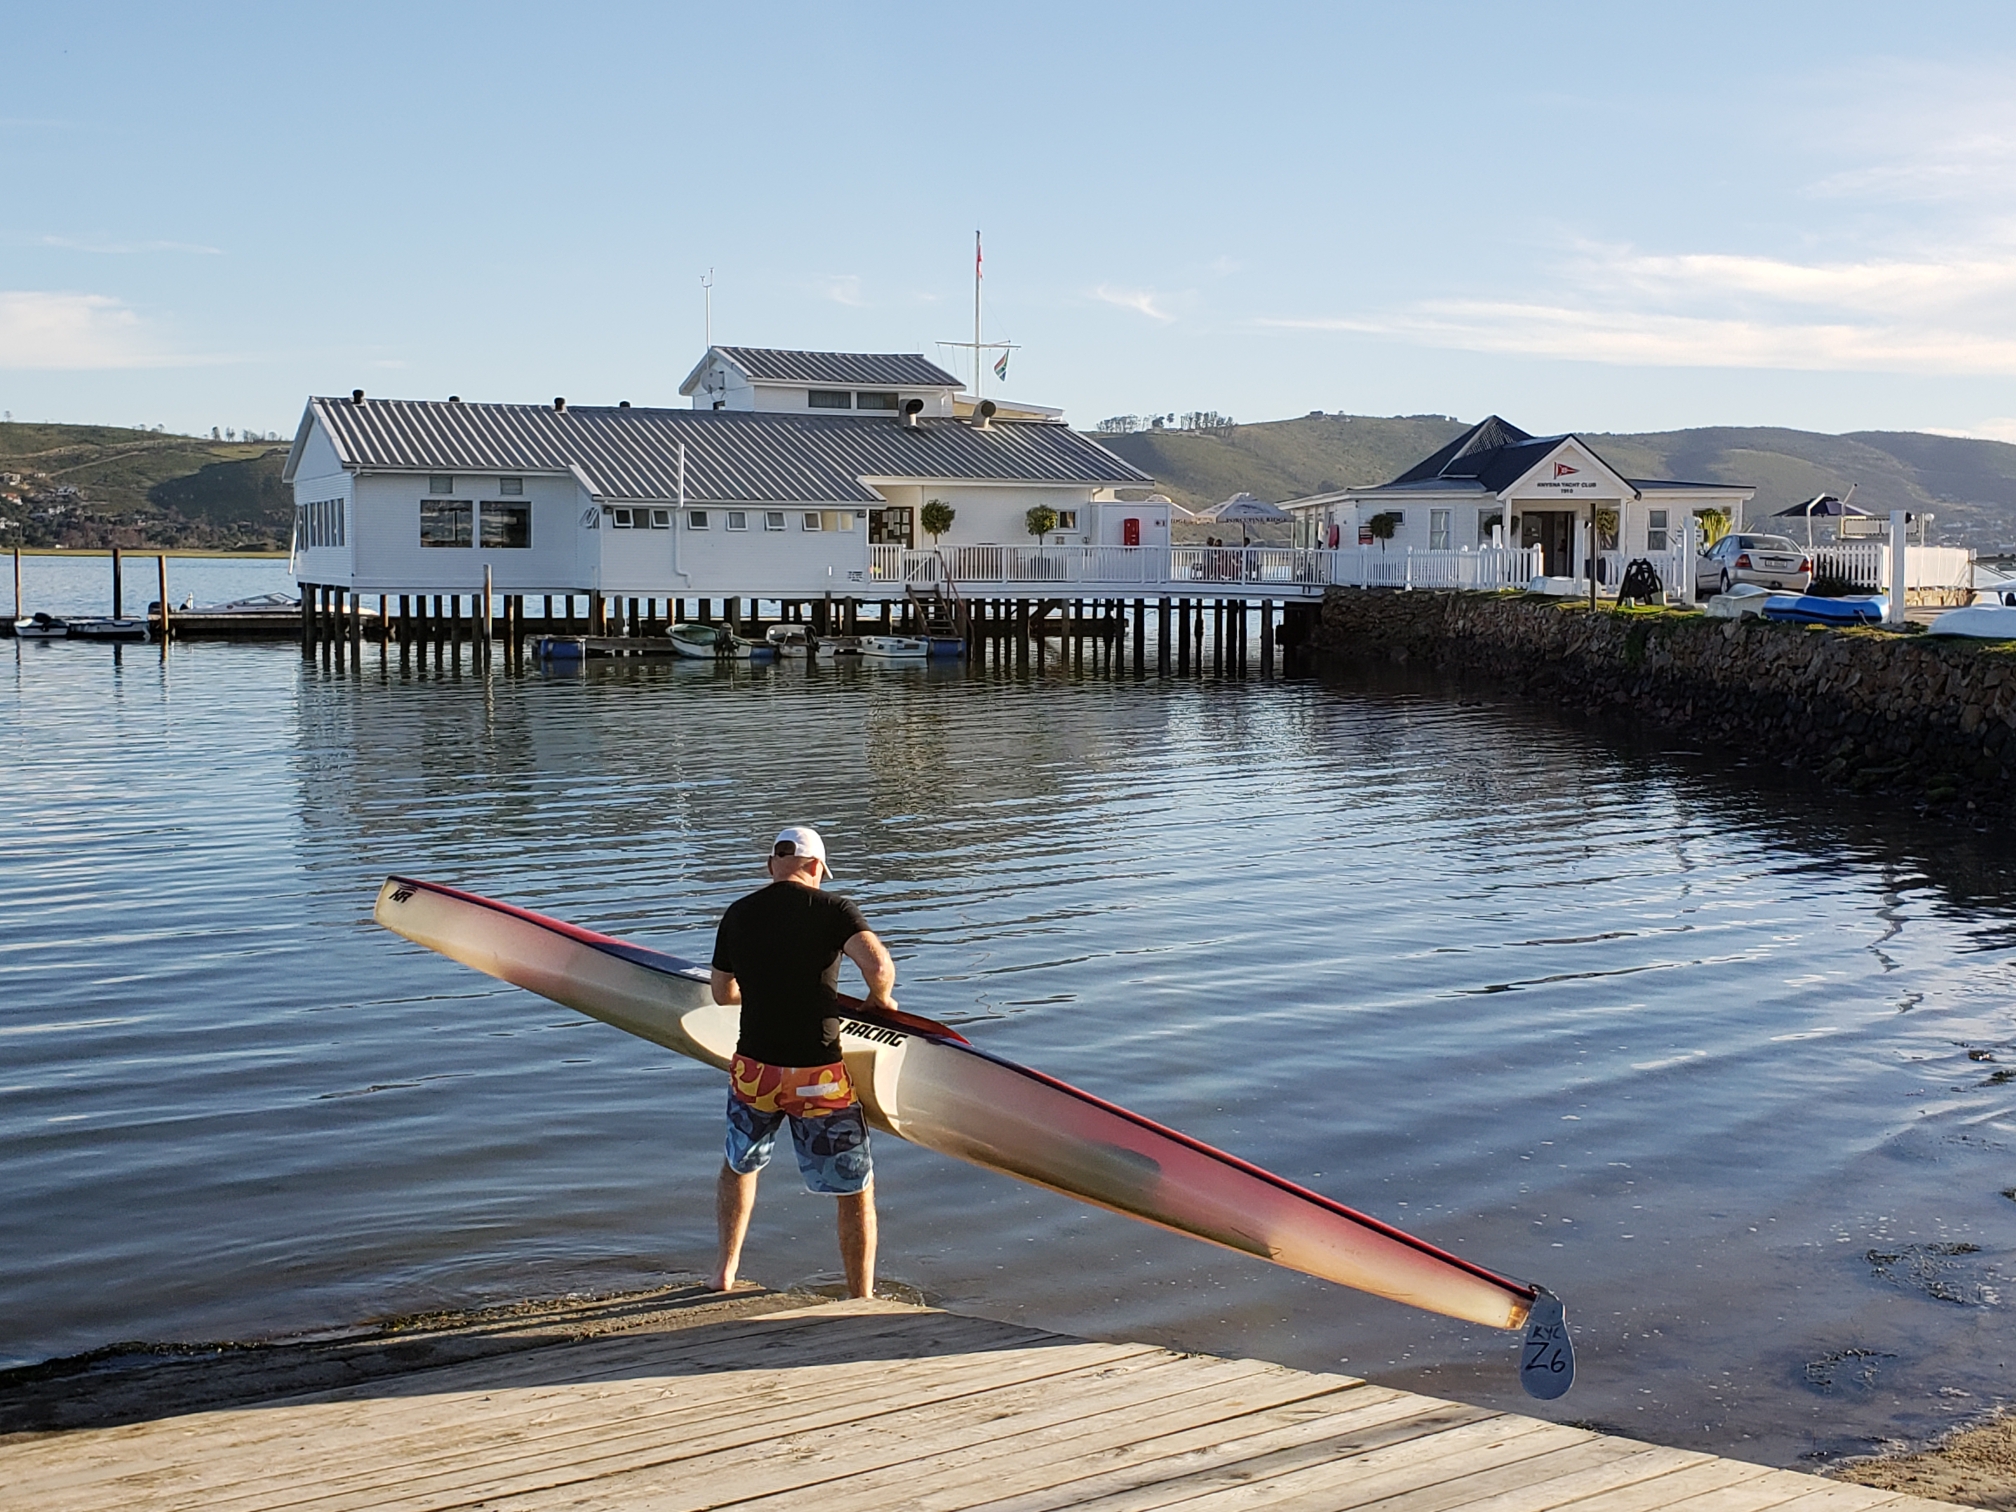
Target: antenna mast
{"x":707,"y":284}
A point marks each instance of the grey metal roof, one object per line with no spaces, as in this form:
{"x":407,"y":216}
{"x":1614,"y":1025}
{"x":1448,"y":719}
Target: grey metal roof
{"x":888,"y":369}
{"x":732,"y":456}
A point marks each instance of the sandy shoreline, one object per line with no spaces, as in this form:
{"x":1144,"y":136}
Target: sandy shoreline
{"x":136,"y":1382}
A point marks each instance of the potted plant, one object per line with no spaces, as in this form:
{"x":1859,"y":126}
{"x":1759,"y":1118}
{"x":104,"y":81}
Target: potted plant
{"x":1040,"y":522}
{"x":1383,"y":526}
{"x":936,"y":517}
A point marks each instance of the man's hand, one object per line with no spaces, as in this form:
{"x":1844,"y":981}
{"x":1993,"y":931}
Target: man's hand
{"x":877,"y":970}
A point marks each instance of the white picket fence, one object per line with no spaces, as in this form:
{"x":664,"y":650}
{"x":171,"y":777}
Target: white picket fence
{"x":1866,"y":564}
{"x":1286,"y":570}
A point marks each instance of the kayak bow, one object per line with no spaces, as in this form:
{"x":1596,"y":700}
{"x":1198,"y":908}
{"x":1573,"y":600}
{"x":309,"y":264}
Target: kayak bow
{"x":921,"y":1081}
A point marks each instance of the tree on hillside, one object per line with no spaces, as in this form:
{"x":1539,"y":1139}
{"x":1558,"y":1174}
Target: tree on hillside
{"x":936,"y":517}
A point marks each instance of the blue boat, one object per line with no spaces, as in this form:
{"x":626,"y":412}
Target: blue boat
{"x":1808,"y":609}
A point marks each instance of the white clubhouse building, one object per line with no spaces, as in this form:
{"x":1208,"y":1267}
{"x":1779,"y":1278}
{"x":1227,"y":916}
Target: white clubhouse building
{"x":1495,"y":485}
{"x":794,"y":474}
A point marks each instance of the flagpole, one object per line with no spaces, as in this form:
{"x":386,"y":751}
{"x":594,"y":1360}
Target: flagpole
{"x":977,"y":358}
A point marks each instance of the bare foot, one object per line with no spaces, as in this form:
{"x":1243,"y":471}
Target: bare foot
{"x":722,"y":1281}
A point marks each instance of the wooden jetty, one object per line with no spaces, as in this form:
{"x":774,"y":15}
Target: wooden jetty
{"x":775,"y":1402}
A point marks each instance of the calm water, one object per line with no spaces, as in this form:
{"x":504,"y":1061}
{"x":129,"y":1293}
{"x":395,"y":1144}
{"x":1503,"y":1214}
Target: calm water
{"x":81,"y":582}
{"x":1709,"y":1058}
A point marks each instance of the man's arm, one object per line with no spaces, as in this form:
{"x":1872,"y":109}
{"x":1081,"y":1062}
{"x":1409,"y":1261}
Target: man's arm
{"x":727,"y":990}
{"x":877,"y":969}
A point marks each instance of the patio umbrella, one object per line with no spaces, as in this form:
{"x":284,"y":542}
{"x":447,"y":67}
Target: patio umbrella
{"x":1244,"y":508}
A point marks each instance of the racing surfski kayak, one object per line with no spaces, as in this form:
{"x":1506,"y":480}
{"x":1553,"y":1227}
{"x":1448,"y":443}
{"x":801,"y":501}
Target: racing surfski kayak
{"x":921,"y":1081}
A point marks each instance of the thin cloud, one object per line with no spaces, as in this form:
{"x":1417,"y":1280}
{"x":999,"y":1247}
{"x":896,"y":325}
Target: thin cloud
{"x":1639,"y":338}
{"x":45,"y":330}
{"x":1140,"y":301}
{"x":845,"y":289}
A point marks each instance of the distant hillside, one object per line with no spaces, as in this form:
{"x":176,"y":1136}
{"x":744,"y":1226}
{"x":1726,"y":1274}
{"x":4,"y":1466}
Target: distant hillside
{"x":101,"y":485}
{"x":1969,"y":487}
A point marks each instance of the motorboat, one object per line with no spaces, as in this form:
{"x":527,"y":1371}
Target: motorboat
{"x":841,"y":645}
{"x":41,"y":627}
{"x":108,"y":629}
{"x":791,"y":640}
{"x":717,"y":642}
{"x":698,"y":642}
{"x":895,"y":647}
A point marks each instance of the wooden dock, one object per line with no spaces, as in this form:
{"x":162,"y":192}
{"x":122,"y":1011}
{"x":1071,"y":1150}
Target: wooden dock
{"x":848,"y":1407}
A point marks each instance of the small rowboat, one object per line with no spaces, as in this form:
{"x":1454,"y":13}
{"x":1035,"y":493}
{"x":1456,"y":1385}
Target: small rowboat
{"x":41,"y":627}
{"x":717,"y":642}
{"x":790,"y":640}
{"x":1809,"y":609}
{"x":108,"y":629}
{"x":895,"y":647}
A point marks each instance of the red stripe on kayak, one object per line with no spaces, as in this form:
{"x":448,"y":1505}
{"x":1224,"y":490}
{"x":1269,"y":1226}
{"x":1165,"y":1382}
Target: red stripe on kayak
{"x":916,"y":1024}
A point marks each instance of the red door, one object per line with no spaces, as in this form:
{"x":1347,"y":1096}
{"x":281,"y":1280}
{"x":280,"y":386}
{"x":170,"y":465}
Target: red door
{"x":1130,"y":532}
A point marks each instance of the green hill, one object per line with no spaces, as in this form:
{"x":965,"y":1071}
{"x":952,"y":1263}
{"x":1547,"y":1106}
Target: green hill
{"x":102,"y":485}
{"x":1968,"y":486}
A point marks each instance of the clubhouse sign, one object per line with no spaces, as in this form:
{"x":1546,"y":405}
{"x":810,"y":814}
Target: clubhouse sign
{"x":1560,"y":477}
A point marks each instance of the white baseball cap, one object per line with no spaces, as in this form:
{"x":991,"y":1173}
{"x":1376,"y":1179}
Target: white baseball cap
{"x":801,"y":840}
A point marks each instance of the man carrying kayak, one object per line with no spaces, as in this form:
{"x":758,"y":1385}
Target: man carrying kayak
{"x":777,"y":953}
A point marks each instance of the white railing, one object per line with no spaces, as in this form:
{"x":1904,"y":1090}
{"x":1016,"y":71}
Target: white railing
{"x":1200,"y":568}
{"x":1866,"y":564}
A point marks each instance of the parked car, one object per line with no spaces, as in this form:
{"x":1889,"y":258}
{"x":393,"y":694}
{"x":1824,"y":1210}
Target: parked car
{"x":1768,"y":561}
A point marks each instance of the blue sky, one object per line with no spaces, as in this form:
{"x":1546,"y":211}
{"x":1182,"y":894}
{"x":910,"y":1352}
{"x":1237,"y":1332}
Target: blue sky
{"x":1590,"y":217}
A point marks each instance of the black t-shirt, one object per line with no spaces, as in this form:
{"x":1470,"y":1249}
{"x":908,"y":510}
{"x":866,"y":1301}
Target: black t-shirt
{"x":783,"y":946}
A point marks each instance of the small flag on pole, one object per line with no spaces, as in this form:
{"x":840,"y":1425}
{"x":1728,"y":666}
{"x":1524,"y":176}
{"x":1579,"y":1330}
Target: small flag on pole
{"x":1001,"y":368}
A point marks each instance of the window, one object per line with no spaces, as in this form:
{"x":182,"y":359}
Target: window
{"x":446,"y":522}
{"x":1067,"y":519}
{"x":875,"y":401}
{"x":811,"y":519}
{"x":1655,"y":530}
{"x":737,"y":520}
{"x":1438,"y":529}
{"x":661,"y":519}
{"x":696,"y":519}
{"x":836,"y":519}
{"x":506,"y":524}
{"x":440,"y":484}
{"x":621,"y":519}
{"x":773,"y":519}
{"x":511,"y":485}
{"x":318,"y":524}
{"x":829,"y":399}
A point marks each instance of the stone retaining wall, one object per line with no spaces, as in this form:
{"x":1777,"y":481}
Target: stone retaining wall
{"x":1866,"y":709}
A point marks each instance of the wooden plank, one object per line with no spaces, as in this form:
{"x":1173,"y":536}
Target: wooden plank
{"x":975,"y":1442}
{"x":644,"y":1421}
{"x":1159,"y":1471}
{"x":225,"y":1466}
{"x":1679,"y":1487}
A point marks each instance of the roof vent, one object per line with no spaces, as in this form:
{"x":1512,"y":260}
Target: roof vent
{"x":559,"y":406}
{"x":356,"y":396}
{"x":623,"y":404}
{"x":983,"y":414}
{"x":454,"y":398}
{"x":912,"y":408}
